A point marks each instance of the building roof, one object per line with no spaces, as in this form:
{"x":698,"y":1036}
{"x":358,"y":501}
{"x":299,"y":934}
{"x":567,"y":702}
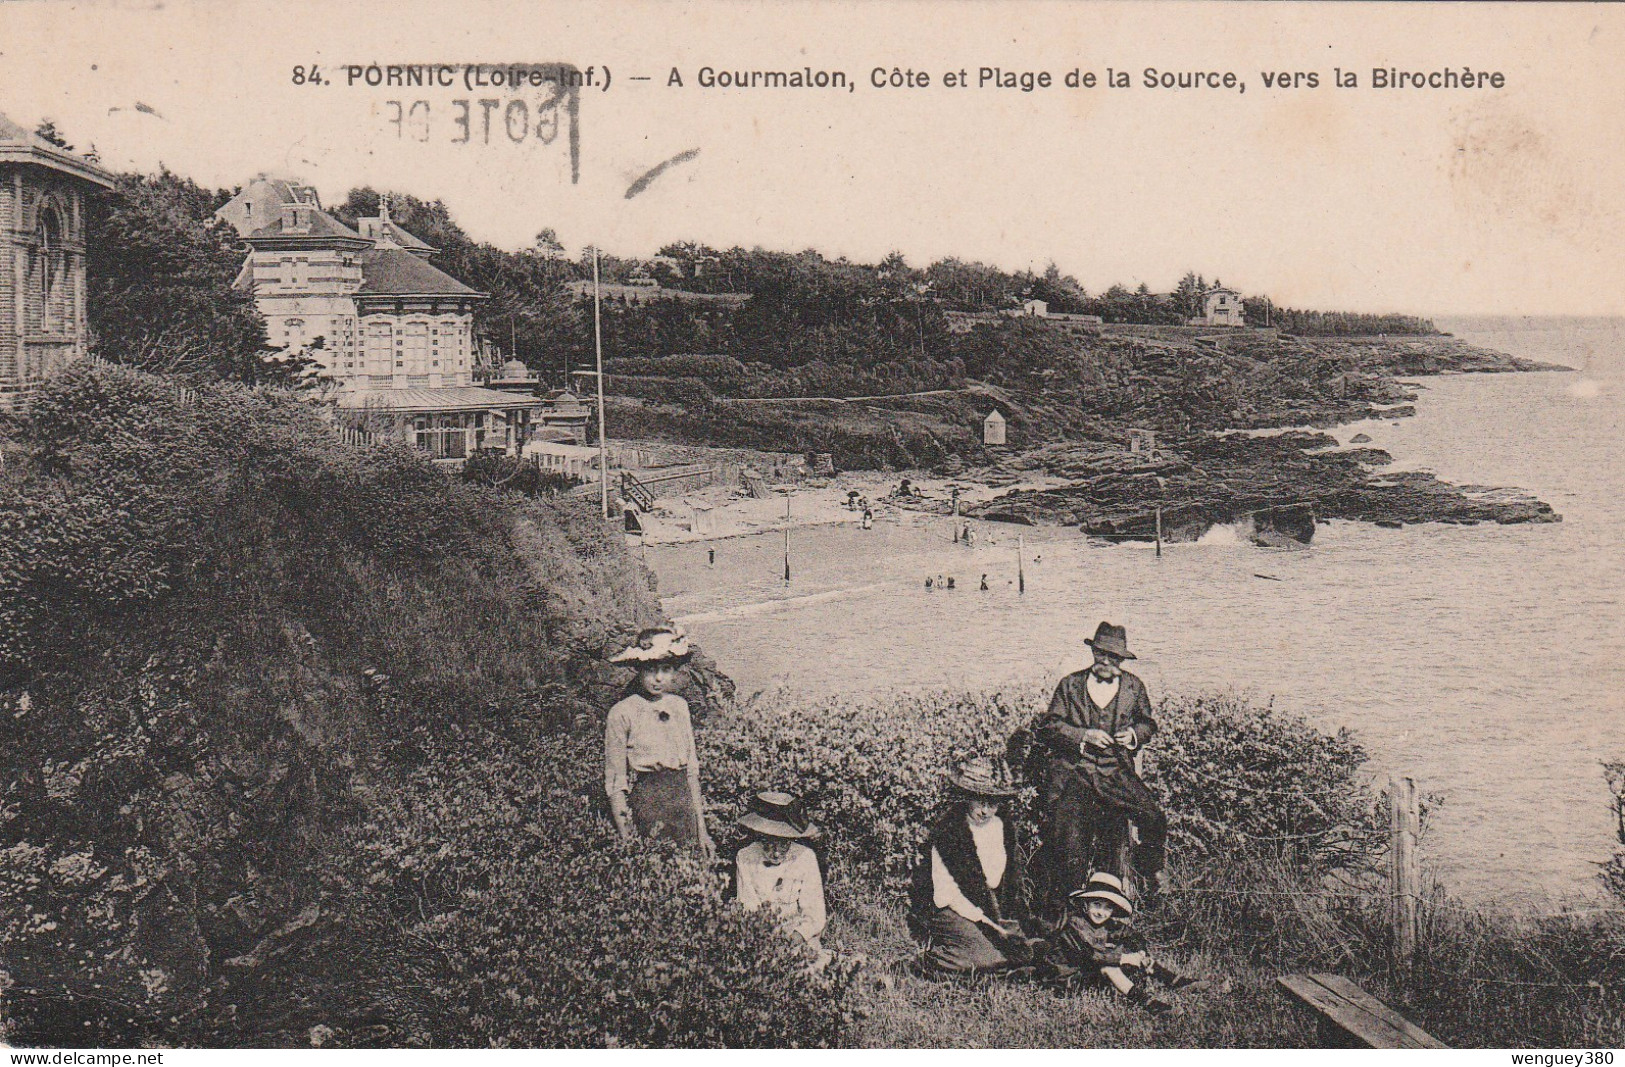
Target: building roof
{"x":994,"y":416}
{"x":321,"y":225}
{"x":380,"y":228}
{"x":18,"y":145}
{"x":455,"y":398}
{"x":397,"y":272}
{"x":290,"y":191}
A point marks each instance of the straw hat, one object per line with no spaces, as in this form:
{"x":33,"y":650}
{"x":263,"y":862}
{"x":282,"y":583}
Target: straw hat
{"x":1107,"y":887}
{"x":1111,"y":638}
{"x":778,"y":815}
{"x":978,"y":778}
{"x":659,"y":645}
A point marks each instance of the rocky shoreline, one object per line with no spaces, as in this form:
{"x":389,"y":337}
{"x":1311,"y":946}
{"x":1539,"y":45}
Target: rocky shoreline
{"x":1277,"y":486}
{"x":1281,"y":484}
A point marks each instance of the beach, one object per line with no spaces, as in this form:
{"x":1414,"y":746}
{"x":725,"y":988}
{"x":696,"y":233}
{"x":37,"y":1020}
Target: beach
{"x":1484,"y":660}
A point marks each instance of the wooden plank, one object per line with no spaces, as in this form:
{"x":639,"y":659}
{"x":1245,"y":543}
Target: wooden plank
{"x":1351,"y":1009}
{"x":1419,"y":1038}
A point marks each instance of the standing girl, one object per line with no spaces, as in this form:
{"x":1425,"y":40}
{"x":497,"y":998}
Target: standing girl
{"x":651,"y":769}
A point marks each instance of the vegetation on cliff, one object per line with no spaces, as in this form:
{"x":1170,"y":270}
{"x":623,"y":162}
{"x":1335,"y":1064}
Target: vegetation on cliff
{"x":286,"y":749}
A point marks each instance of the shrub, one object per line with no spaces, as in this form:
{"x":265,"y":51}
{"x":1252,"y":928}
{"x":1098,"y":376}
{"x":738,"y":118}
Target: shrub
{"x":1613,"y":872}
{"x":223,"y":634}
{"x":515,"y":474}
{"x":488,"y":903}
{"x":874,"y":770}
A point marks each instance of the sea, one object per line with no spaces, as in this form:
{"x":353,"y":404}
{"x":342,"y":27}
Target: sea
{"x":1487,"y":662}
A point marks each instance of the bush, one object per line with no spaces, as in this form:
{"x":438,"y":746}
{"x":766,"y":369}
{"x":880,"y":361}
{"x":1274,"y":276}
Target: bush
{"x":1613,"y":872}
{"x":223,"y":635}
{"x":874,"y":770}
{"x":515,"y":474}
{"x":489,"y":903}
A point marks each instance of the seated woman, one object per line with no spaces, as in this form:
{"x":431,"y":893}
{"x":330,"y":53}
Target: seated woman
{"x":651,"y":769}
{"x":780,"y":873}
{"x":969,"y":891}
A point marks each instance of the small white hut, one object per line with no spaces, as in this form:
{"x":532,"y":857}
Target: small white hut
{"x":993,"y":428}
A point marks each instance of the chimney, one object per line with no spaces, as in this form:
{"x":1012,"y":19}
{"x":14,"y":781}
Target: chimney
{"x":296,"y":218}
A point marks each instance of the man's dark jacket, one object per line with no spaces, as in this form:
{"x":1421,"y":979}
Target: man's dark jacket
{"x":1058,"y":734}
{"x":951,"y":837}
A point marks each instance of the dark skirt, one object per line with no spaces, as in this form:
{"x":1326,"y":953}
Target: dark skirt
{"x":955,"y":945}
{"x":663,"y":808}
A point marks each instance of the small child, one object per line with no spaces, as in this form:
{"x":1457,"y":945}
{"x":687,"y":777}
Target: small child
{"x":1089,"y":940}
{"x":778,"y":871}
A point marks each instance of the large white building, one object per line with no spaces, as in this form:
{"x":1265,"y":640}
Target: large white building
{"x":391,"y":330}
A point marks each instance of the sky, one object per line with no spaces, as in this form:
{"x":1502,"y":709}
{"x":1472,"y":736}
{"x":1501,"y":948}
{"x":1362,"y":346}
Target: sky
{"x":1442,"y":201}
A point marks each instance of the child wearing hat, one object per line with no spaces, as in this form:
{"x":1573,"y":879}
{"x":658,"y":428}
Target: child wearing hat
{"x":651,"y":768}
{"x":778,"y":871}
{"x":1089,"y":941}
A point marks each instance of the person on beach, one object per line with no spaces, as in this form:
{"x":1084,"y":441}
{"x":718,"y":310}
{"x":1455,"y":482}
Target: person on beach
{"x":1088,"y":943}
{"x":651,"y":768}
{"x":984,"y":583}
{"x":868,"y":519}
{"x":950,"y":581}
{"x":1082,"y":758}
{"x":968,"y":895}
{"x":929,"y":584}
{"x":779,"y":872}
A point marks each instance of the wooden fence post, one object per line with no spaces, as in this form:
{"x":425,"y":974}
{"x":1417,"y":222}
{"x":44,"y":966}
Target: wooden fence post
{"x":1405,"y":870}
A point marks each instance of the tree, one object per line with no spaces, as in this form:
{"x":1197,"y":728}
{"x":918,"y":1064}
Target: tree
{"x":548,"y":245}
{"x":161,"y":294}
{"x":47,"y":131}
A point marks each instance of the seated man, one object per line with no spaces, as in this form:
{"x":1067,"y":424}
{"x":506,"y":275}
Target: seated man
{"x":1085,"y":745}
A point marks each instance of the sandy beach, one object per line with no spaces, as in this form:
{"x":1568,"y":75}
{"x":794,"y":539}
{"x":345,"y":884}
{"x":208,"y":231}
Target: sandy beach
{"x":732,"y":512}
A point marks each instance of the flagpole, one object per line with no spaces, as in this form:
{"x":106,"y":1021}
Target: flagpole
{"x":1021,"y":568}
{"x":598,"y":349}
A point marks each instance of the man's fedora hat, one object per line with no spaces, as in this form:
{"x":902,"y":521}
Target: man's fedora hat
{"x":1111,"y":638}
{"x":977,"y":777}
{"x":660,"y":645}
{"x":1107,"y":887}
{"x":778,"y":815}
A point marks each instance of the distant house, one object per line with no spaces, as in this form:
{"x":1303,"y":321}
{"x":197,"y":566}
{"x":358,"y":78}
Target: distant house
{"x":1142,"y":443}
{"x":993,"y":428}
{"x":43,"y":193}
{"x":1222,"y":307}
{"x":1038,"y":309}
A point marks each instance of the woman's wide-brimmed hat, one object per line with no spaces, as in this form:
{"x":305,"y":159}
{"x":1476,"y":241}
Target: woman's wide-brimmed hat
{"x":1111,"y":638}
{"x":778,"y":815}
{"x":1107,"y":887}
{"x":660,"y":645}
{"x":978,"y":778}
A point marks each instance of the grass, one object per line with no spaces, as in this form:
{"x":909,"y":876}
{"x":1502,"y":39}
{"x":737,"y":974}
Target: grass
{"x":895,"y":1009}
{"x":1480,"y":980}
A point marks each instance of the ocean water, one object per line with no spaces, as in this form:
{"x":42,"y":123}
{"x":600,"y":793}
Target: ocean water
{"x":1486,"y":661}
